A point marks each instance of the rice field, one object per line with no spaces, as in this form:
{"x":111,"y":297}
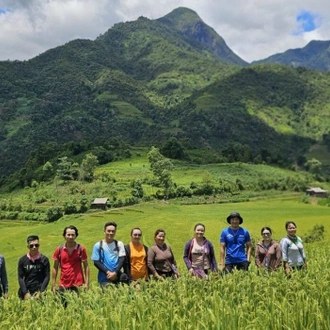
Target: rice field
{"x":243,"y":300}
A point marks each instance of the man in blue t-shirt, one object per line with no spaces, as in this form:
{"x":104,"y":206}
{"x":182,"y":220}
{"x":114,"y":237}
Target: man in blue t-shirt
{"x":109,"y":256}
{"x":233,"y":241}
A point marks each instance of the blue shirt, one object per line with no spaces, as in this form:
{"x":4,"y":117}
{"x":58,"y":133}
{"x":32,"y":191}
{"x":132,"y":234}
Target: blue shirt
{"x":110,"y":257}
{"x":235,"y":241}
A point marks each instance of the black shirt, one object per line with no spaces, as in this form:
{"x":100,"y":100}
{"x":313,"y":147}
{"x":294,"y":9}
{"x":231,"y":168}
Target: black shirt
{"x":33,"y":276}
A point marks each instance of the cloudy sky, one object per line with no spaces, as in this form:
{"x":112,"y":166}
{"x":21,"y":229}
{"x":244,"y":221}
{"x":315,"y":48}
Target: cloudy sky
{"x":253,"y":29}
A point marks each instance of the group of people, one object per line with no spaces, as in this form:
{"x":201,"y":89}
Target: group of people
{"x":119,"y":263}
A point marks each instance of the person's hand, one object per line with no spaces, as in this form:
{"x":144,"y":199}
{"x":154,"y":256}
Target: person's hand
{"x":111,"y":275}
{"x":37,"y":295}
{"x":5,"y":295}
{"x":191,"y":272}
{"x":54,"y":288}
{"x":159,"y":278}
{"x":27,"y":296}
{"x":85,"y":286}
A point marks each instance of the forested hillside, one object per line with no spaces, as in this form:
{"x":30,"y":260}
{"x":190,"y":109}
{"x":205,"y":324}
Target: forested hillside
{"x":146,"y":81}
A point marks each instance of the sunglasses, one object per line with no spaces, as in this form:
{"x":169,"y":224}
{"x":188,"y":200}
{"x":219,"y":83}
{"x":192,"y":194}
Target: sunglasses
{"x":266,"y":234}
{"x":31,"y":246}
{"x":137,"y":235}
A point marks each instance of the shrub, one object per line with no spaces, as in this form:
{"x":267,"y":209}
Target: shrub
{"x":54,"y":213}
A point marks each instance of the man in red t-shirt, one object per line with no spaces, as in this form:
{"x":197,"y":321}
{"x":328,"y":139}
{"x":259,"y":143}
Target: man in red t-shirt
{"x":70,"y":257}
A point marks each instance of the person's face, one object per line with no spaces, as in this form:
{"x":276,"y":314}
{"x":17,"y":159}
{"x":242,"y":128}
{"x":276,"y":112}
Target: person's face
{"x":70,"y":235}
{"x":234,"y":222}
{"x":199,"y":231}
{"x":266,"y":235}
{"x":33,"y":247}
{"x":136,"y":235}
{"x":291,"y":229}
{"x":160,"y":238}
{"x":109,"y":233}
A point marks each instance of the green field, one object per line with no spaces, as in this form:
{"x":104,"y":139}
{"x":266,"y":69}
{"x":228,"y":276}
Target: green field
{"x":231,"y":302}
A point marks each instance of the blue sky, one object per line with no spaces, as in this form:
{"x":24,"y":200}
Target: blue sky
{"x":253,"y":29}
{"x":308,"y":21}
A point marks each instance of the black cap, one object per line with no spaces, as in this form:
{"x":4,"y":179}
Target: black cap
{"x":234,"y":215}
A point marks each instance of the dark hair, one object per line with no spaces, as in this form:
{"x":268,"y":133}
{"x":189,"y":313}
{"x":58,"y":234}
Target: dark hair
{"x":159,"y":231}
{"x":110,"y":223}
{"x":32,"y":238}
{"x":199,"y":224}
{"x":70,"y":227}
{"x":136,"y":228}
{"x":288,"y":223}
{"x":263,"y":228}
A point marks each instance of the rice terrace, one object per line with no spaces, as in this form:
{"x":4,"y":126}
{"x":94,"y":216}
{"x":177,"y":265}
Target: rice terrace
{"x":243,"y":300}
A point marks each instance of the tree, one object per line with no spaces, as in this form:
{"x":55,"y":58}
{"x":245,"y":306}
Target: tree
{"x":88,"y":166}
{"x":172,"y":148}
{"x":161,"y":168}
{"x":313,"y":165}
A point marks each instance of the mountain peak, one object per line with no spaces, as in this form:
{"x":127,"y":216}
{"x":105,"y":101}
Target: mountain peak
{"x":200,"y":35}
{"x":181,"y":17}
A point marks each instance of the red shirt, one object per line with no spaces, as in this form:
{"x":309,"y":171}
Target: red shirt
{"x":71,"y":270}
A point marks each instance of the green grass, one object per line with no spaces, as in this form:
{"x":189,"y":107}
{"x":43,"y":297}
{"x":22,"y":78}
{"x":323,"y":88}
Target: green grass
{"x":177,"y":220}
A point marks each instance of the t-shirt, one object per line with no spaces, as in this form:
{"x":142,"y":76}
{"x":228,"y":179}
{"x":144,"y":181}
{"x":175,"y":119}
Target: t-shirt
{"x":34,"y":275}
{"x":235,"y":241}
{"x":200,"y":256}
{"x":293,"y":251}
{"x":71,"y":270}
{"x":138,"y":261}
{"x":109,"y":256}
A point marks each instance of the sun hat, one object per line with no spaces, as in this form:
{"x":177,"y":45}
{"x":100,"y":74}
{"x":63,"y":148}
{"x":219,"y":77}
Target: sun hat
{"x":234,"y":215}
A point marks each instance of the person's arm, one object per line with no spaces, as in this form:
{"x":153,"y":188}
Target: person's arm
{"x":121,"y":262}
{"x":186,"y":256}
{"x":257,"y":254}
{"x":47,"y":275}
{"x":54,"y":274}
{"x":150,"y":262}
{"x":222,"y":255}
{"x":21,"y":282}
{"x":86,"y":272}
{"x":212,"y":259}
{"x":4,"y":278}
{"x":284,"y":248}
{"x":278,"y":254}
{"x":248,"y":250}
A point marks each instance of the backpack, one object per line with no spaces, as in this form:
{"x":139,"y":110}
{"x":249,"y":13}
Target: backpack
{"x":61,"y":249}
{"x":101,"y":250}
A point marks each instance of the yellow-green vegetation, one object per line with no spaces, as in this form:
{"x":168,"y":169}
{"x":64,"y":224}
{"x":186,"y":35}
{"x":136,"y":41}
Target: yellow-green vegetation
{"x":238,"y":301}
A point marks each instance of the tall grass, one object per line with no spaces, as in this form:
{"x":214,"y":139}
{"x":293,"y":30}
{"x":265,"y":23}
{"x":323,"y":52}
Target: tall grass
{"x":237,"y":301}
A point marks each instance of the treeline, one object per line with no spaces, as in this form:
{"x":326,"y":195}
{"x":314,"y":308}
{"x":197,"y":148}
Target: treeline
{"x":51,"y":159}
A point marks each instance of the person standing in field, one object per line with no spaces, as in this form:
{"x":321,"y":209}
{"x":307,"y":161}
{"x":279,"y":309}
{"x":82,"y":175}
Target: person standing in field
{"x":268,"y":253}
{"x":235,"y":245}
{"x":136,"y":257}
{"x":161,"y":261}
{"x":71,"y":258}
{"x":33,"y":271}
{"x":199,"y":254}
{"x":293,"y":254}
{"x":3,"y":278}
{"x":109,"y":257}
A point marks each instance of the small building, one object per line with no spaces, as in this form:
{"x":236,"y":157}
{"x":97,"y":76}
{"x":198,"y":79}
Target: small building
{"x":317,"y":192}
{"x":100,"y":203}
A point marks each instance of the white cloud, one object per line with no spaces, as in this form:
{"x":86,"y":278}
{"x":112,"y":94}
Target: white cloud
{"x":253,"y":29}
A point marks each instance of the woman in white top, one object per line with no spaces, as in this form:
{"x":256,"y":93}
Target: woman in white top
{"x":293,"y":254}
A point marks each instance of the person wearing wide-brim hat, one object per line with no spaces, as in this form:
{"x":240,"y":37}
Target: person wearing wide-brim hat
{"x":235,"y":245}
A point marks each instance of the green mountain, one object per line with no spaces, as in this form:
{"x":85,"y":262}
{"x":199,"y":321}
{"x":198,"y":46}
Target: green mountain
{"x":145,"y":81}
{"x":200,"y":35}
{"x":315,"y":55}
